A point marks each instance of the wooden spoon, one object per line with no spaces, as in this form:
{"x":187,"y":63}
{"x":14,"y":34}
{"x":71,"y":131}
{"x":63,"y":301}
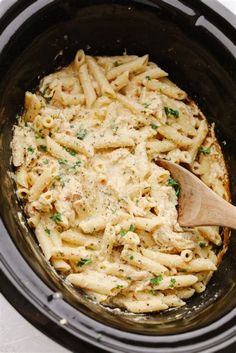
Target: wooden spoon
{"x":198,"y":204}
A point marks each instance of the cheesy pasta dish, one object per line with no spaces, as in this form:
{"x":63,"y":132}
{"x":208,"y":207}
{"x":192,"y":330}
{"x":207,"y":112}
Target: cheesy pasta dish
{"x":104,"y":213}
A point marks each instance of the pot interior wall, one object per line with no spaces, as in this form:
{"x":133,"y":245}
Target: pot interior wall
{"x":177,"y":39}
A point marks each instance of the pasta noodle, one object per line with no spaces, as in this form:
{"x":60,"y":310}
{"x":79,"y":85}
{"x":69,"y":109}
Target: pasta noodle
{"x":103,"y":212}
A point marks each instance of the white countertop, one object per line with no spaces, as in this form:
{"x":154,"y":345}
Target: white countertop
{"x":19,"y":336}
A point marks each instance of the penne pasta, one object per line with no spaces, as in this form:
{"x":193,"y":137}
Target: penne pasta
{"x":104,"y":213}
{"x":40,"y":184}
{"x":169,"y":90}
{"x":132,"y":66}
{"x":97,"y":282}
{"x":148,"y":75}
{"x":145,"y":306}
{"x":74,"y":143}
{"x":101,"y":79}
{"x":86,"y":83}
{"x":140,"y":261}
{"x":176,"y":282}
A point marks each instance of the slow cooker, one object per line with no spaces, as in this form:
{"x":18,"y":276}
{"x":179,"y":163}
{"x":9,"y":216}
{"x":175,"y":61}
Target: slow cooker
{"x":195,"y":42}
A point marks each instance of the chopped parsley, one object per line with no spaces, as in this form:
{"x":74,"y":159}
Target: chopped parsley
{"x":148,"y":78}
{"x":81,"y":134}
{"x":131,"y":257}
{"x":131,"y":228}
{"x":43,"y":148}
{"x":56,"y":217}
{"x":170,"y":111}
{"x":172,"y":182}
{"x":116,"y":63}
{"x":183,"y":270}
{"x":146,"y":105}
{"x":62,"y":161}
{"x":172,"y":282}
{"x":72,"y":152}
{"x":77,"y":164}
{"x":205,"y":150}
{"x":30,"y":149}
{"x":154,"y":126}
{"x":83,"y":262}
{"x":47,"y":231}
{"x":43,"y":94}
{"x":45,"y":161}
{"x":38,"y":135}
{"x":156,"y":280}
{"x":60,"y":178}
{"x":202,"y":244}
{"x":119,"y":286}
{"x":124,"y":231}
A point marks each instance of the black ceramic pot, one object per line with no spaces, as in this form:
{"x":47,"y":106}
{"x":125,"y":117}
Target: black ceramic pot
{"x":194,"y":42}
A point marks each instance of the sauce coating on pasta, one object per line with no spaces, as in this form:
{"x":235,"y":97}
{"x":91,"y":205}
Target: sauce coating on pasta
{"x":103,"y":212}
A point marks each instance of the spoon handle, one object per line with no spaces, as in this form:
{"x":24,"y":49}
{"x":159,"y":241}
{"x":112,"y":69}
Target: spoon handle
{"x":219,"y":212}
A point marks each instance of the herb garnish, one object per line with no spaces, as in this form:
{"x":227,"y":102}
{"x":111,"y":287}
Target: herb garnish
{"x":148,"y":78}
{"x":56,"y":217}
{"x":62,"y":161}
{"x":30,"y":149}
{"x":77,"y":164}
{"x":116,"y":63}
{"x":60,"y":178}
{"x":124,"y":231}
{"x":83,"y":262}
{"x":156,"y":280}
{"x":202,"y":244}
{"x":43,"y":148}
{"x":81,"y":134}
{"x":205,"y":150}
{"x":131,"y":257}
{"x":69,"y":150}
{"x":47,"y":231}
{"x":172,"y":182}
{"x":172,"y":282}
{"x":119,"y":286}
{"x":170,"y":111}
{"x":154,"y":126}
{"x":38,"y":135}
{"x":183,"y":270}
{"x":43,"y":94}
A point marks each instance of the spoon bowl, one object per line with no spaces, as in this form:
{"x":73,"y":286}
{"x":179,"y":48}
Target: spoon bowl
{"x":198,"y":205}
